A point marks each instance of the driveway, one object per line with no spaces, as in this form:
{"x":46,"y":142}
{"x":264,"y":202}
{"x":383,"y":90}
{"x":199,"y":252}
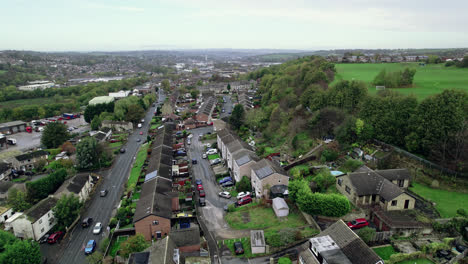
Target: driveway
{"x":71,"y":249}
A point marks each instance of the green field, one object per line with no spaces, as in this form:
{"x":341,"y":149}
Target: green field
{"x":384,"y":252}
{"x":33,"y":101}
{"x":430,"y":79}
{"x":447,"y":202}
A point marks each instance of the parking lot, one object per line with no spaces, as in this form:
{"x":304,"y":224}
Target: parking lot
{"x":27,"y":141}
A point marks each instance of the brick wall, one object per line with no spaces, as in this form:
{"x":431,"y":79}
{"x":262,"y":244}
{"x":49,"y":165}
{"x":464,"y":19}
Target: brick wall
{"x":146,"y":227}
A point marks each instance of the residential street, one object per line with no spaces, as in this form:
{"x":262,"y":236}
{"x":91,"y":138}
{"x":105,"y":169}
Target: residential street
{"x":71,"y":249}
{"x":227,"y":106}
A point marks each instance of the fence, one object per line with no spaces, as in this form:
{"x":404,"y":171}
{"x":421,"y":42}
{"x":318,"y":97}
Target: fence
{"x":382,"y":236}
{"x":425,"y":162}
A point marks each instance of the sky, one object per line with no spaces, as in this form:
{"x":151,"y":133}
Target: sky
{"x":112,"y":25}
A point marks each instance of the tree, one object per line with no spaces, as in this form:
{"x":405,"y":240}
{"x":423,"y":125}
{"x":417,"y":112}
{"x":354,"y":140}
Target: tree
{"x":95,"y":258}
{"x":40,"y":189}
{"x":237,"y":117}
{"x":17,"y":199}
{"x":195,"y":71}
{"x":166,"y":85}
{"x":229,"y":87}
{"x":54,"y":135}
{"x":15,"y":251}
{"x":366,"y":234}
{"x":66,"y":210}
{"x":324,"y":180}
{"x":134,"y":113}
{"x":96,"y":123}
{"x":86,"y":153}
{"x":347,"y":95}
{"x":244,"y":185}
{"x":40,"y":164}
{"x":133,"y":244}
{"x":68,"y":148}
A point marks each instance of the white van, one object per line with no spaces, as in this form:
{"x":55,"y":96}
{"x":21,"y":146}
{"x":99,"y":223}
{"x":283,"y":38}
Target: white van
{"x":139,"y":125}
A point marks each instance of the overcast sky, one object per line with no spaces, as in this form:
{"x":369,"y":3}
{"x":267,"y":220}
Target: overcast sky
{"x":83,"y":25}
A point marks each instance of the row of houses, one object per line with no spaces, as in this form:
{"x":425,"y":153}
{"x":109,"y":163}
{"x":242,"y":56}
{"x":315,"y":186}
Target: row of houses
{"x":160,"y":214}
{"x":374,"y":59}
{"x":242,"y":161}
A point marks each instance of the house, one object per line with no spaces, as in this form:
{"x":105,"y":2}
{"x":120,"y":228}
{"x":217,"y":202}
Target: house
{"x":117,"y":126}
{"x":26,"y":161}
{"x":36,"y":221}
{"x":153,"y":212}
{"x":206,"y":109}
{"x":5,"y":213}
{"x":81,"y":185}
{"x":280,"y":207}
{"x":187,"y":239}
{"x":337,"y":244}
{"x":257,"y":242}
{"x":366,"y":187}
{"x":120,"y":94}
{"x":242,"y":163}
{"x":264,"y":175}
{"x":162,"y":251}
{"x":5,"y":170}
{"x":234,"y":147}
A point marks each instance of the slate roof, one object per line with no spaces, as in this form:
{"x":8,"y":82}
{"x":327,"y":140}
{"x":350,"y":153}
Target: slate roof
{"x":139,"y":258}
{"x":350,"y":244}
{"x":77,"y":183}
{"x":371,"y":182}
{"x":155,"y":199}
{"x":395,"y":174}
{"x":244,"y":156}
{"x":265,"y":168}
{"x":12,"y":124}
{"x":35,"y":154}
{"x":40,"y":209}
{"x":223,"y":132}
{"x":4,"y":166}
{"x":186,"y":236}
{"x":5,"y":185}
{"x":237,"y":145}
{"x":207,"y":106}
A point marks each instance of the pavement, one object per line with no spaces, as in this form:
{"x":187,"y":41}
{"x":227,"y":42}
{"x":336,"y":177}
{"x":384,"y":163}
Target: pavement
{"x":71,"y":249}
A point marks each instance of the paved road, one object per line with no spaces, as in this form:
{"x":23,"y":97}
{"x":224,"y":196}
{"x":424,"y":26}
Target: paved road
{"x":227,"y":106}
{"x":100,"y":208}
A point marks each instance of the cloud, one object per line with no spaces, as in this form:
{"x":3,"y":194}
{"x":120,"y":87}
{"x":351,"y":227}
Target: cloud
{"x":115,"y":7}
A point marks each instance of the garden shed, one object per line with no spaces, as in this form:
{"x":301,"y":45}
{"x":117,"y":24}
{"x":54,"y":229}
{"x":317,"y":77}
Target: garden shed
{"x":257,"y":241}
{"x":280,"y":207}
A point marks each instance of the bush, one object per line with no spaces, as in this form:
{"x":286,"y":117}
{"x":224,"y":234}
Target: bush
{"x":40,"y":189}
{"x":366,"y":234}
{"x":399,"y":257}
{"x":273,"y":239}
{"x":329,"y":155}
{"x":284,"y":260}
{"x":434,"y":247}
{"x":113,"y":222}
{"x":287,"y":235}
{"x":244,"y":185}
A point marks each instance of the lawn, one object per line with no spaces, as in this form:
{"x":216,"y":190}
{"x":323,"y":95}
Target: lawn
{"x":135,"y":172}
{"x":33,"y":101}
{"x":260,"y":217}
{"x":115,"y":144}
{"x":116,"y":246}
{"x":416,"y":261}
{"x":447,"y":202}
{"x":213,"y":156}
{"x":430,"y":79}
{"x":384,"y":252}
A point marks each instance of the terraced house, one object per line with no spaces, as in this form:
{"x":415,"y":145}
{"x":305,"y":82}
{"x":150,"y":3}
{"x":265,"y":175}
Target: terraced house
{"x":264,"y":175}
{"x":26,"y":161}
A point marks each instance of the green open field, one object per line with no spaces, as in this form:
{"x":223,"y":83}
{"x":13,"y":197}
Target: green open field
{"x":33,"y":101}
{"x":430,"y":79}
{"x":384,"y":252}
{"x":447,"y":202}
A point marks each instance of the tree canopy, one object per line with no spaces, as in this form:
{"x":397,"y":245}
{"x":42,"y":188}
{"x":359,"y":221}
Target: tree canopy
{"x":66,"y":210}
{"x":16,"y":251}
{"x":87,"y":153}
{"x":54,"y":135}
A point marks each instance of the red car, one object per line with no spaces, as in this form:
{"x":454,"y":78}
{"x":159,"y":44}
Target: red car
{"x":358,"y":223}
{"x":199,"y":187}
{"x":202,"y":193}
{"x":244,"y":200}
{"x":55,"y":237}
{"x":141,"y":132}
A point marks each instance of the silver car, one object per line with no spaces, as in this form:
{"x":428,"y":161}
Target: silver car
{"x":97,"y":228}
{"x":226,"y":195}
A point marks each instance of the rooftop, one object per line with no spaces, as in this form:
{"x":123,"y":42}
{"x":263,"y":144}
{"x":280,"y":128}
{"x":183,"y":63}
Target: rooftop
{"x":101,"y":100}
{"x":155,"y":199}
{"x":41,"y":208}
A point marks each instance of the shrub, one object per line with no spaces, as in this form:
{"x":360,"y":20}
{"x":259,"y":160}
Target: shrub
{"x":434,"y":247}
{"x":329,"y":155}
{"x":244,"y":185}
{"x":284,"y":260}
{"x":113,"y":222}
{"x":366,"y":234}
{"x":273,"y":239}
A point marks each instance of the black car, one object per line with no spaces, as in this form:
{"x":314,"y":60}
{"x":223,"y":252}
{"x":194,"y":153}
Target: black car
{"x":202,"y":201}
{"x":460,"y":248}
{"x":122,"y":150}
{"x":87,"y":222}
{"x":238,"y":248}
{"x":194,"y":161}
{"x":44,"y":239}
{"x":443,"y":254}
{"x":198,"y":181}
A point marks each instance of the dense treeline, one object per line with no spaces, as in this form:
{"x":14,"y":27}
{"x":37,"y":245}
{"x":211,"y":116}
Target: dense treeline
{"x":298,"y":104}
{"x":40,"y":189}
{"x":395,"y":79}
{"x":74,"y":96}
{"x":14,"y":75}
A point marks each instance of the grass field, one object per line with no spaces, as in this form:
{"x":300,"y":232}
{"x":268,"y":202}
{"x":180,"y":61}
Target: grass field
{"x":430,"y":79}
{"x":140,"y":159}
{"x":416,"y":261}
{"x":213,"y":156}
{"x":447,"y":202}
{"x":384,"y":252}
{"x":33,"y":101}
{"x":115,"y":144}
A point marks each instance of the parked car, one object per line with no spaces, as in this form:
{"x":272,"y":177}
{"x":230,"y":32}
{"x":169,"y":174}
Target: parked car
{"x":244,"y":201}
{"x":194,"y":161}
{"x":141,"y":132}
{"x":225,"y":179}
{"x":87,"y":222}
{"x":215,"y":161}
{"x":138,"y":139}
{"x":358,"y":223}
{"x":226,"y":195}
{"x":44,"y":239}
{"x":198,"y":181}
{"x":202,"y":193}
{"x":242,"y":194}
{"x":97,"y":228}
{"x":227,"y":184}
{"x":55,"y":237}
{"x":204,"y":156}
{"x":199,"y":187}
{"x":211,"y":151}
{"x":222,"y":111}
{"x":202,"y":201}
{"x":444,"y":254}
{"x":103,"y":193}
{"x":139,"y":125}
{"x":122,"y":150}
{"x":238,"y":248}
{"x":460,"y":248}
{"x":142,"y":120}
{"x":90,"y":246}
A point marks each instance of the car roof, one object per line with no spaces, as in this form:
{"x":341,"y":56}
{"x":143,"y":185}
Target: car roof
{"x":91,"y":242}
{"x":360,"y":219}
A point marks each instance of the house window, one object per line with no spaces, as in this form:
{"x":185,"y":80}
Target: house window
{"x":40,"y":221}
{"x":394,"y":203}
{"x":340,"y":181}
{"x":42,"y":230}
{"x":382,"y":200}
{"x":48,"y":214}
{"x":401,"y":183}
{"x":348,"y":190}
{"x":155,"y":222}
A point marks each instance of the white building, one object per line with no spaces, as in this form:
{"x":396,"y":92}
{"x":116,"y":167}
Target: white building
{"x":36,"y":85}
{"x":280,"y":207}
{"x":5,"y":213}
{"x":36,"y":221}
{"x":257,"y":242}
{"x":120,"y":94}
